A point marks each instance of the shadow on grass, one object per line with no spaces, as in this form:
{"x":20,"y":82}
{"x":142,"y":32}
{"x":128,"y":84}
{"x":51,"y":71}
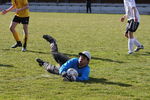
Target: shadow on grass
{"x":97,"y":58}
{"x":32,"y":51}
{"x":6,"y":49}
{"x":5,"y":65}
{"x":37,"y":52}
{"x":75,"y":55}
{"x":146,"y":54}
{"x":105,"y":81}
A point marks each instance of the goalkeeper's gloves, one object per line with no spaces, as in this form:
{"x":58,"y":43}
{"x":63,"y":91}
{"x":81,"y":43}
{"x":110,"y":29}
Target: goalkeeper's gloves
{"x":64,"y":74}
{"x":68,"y":77}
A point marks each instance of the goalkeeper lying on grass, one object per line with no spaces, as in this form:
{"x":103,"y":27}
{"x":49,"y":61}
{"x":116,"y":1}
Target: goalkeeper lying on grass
{"x":79,"y":64}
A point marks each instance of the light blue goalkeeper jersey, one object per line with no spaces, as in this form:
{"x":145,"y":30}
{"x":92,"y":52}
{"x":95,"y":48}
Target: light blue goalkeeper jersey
{"x":73,"y":63}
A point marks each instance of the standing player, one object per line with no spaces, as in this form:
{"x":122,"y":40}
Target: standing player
{"x":21,"y":16}
{"x":88,"y":6}
{"x":133,"y":17}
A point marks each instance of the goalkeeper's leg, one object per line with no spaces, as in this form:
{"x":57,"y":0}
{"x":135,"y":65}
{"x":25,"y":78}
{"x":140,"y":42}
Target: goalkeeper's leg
{"x":52,"y":42}
{"x":59,"y":57}
{"x":47,"y":66}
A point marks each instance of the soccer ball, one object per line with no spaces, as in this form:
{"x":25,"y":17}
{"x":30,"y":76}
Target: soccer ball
{"x":72,"y":72}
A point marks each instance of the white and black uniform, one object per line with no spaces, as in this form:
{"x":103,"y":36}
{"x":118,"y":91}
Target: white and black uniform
{"x":131,"y":26}
{"x":129,"y":4}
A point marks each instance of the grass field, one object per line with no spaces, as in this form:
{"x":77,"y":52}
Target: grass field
{"x":114,"y":74}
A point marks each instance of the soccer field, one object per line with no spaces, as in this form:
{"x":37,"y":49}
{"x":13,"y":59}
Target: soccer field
{"x":115,"y":75}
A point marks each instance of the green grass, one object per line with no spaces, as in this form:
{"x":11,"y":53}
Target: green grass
{"x":114,"y":74}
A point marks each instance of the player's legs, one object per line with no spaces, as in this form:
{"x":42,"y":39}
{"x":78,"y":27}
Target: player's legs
{"x":127,"y":30}
{"x":47,"y":66}
{"x":87,"y":9}
{"x":15,"y":34}
{"x":90,"y":8}
{"x":138,"y":44}
{"x":52,"y":41}
{"x":130,"y":42}
{"x":25,"y":30}
{"x":133,"y":27}
{"x":59,"y":57}
{"x":129,"y":36}
{"x":25,"y":22}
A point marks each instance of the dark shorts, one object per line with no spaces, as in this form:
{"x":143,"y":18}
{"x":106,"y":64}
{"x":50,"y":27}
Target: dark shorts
{"x":23,"y":20}
{"x":60,"y":58}
{"x":132,"y":26}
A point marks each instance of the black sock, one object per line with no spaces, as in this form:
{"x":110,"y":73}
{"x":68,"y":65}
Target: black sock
{"x":19,"y":42}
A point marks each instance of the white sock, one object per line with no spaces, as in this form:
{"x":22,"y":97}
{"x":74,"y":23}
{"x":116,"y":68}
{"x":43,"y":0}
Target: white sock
{"x":136,"y":42}
{"x":130,"y":45}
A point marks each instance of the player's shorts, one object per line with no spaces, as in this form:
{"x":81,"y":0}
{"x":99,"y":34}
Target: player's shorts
{"x":60,"y":58}
{"x":23,"y":20}
{"x":132,"y":26}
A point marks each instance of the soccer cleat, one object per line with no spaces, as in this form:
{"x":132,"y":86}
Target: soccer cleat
{"x":23,"y":49}
{"x":130,"y":52}
{"x":139,"y":48}
{"x":41,"y":62}
{"x":49,"y":38}
{"x":52,"y":42}
{"x":16,"y":45}
{"x":46,"y":65}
